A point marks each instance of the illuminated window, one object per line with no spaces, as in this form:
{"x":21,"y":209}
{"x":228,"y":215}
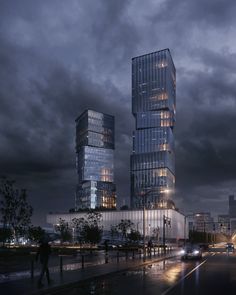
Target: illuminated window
{"x":162,"y":96}
{"x":162,"y":64}
{"x":163,"y":147}
{"x":159,"y":172}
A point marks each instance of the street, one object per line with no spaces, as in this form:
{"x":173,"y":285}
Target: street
{"x":214,"y":274}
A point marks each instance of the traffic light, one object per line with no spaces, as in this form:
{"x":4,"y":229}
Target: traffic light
{"x":214,"y":227}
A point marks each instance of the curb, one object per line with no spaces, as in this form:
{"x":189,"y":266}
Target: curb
{"x":53,"y":290}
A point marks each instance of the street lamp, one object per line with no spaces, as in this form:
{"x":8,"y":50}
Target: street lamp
{"x":166,"y":222}
{"x":144,"y":218}
{"x":185,"y":224}
{"x":165,"y":191}
{"x":138,"y":225}
{"x":73,"y":235}
{"x":144,"y":225}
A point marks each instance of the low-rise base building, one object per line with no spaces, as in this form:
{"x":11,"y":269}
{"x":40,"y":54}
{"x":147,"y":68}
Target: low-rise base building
{"x":155,"y":219}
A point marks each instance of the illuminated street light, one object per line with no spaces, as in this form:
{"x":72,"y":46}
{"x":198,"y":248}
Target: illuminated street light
{"x":185,"y":223}
{"x":160,"y":205}
{"x":166,"y":222}
{"x":144,"y":217}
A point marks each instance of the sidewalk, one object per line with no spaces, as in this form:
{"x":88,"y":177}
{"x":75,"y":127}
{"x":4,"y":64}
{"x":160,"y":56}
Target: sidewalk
{"x":70,"y":278}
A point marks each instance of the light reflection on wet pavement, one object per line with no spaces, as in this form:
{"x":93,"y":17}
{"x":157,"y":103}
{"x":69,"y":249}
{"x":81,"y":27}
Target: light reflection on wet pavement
{"x":151,"y":279}
{"x":69,"y":263}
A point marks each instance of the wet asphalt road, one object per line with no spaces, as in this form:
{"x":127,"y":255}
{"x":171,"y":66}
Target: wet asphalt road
{"x":214,"y":274}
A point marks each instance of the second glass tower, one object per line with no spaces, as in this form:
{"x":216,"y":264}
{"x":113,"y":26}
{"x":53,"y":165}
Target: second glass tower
{"x":153,"y":107}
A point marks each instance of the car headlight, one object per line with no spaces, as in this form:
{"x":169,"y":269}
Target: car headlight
{"x":195,"y":252}
{"x":182,"y":252}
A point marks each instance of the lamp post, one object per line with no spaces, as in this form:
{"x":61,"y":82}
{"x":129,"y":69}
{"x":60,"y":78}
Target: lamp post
{"x":185,"y":224}
{"x":166,"y":191}
{"x":185,"y":217}
{"x":73,"y":235}
{"x":144,"y":253}
{"x":137,"y":225}
{"x":144,"y":219}
{"x":166,"y":221}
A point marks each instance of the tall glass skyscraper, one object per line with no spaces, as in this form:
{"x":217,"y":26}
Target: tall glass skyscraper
{"x":153,"y":107}
{"x":95,"y":161}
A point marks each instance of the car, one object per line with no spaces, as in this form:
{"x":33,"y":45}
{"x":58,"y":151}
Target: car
{"x":110,"y":245}
{"x":204,"y":246}
{"x":191,"y":252}
{"x":229,"y":247}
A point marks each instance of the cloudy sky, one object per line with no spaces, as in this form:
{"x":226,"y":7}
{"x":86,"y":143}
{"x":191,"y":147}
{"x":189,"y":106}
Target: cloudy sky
{"x":59,"y":57}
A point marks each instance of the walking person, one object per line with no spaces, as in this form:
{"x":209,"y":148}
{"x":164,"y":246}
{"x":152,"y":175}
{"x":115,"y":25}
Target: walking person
{"x":150,"y":245}
{"x":43,"y":254}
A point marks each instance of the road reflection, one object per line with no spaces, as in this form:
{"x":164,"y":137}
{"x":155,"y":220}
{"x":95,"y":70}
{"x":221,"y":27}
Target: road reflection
{"x":69,"y":263}
{"x":150,"y":279}
{"x":173,"y":273}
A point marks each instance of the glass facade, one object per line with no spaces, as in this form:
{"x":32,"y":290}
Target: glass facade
{"x":153,"y":107}
{"x":153,"y":218}
{"x":95,"y":161}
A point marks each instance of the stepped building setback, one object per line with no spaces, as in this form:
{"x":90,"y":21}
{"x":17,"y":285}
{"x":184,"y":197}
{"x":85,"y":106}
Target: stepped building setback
{"x":153,"y":107}
{"x":95,"y":161}
{"x":152,"y":161}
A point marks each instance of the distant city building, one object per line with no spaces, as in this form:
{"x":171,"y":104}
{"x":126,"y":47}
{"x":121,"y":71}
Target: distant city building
{"x":153,"y":107}
{"x":223,"y":224}
{"x":190,"y":221}
{"x":203,"y":222}
{"x":232,"y":214}
{"x":232,"y":207}
{"x":95,"y":161}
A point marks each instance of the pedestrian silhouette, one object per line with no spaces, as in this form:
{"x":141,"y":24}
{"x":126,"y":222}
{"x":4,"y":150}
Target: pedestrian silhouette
{"x":150,"y":245}
{"x":43,"y":254}
{"x":106,"y":245}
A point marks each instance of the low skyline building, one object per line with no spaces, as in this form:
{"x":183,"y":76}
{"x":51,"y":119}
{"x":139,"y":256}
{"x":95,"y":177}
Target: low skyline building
{"x":154,"y":221}
{"x":232,"y":207}
{"x":200,"y":221}
{"x":223,"y":224}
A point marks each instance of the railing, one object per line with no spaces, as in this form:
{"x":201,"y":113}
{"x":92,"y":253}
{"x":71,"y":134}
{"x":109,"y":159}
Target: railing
{"x":112,"y":256}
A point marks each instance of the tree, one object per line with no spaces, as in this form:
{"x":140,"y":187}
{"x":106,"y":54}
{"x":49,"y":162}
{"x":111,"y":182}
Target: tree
{"x":5,"y":235}
{"x":77,"y":227}
{"x":91,"y":230}
{"x":64,"y":231}
{"x":15,"y":209}
{"x":91,"y":234}
{"x":124,"y":227}
{"x":114,"y":231}
{"x":134,"y":236}
{"x":36,"y":233}
{"x":155,"y":233}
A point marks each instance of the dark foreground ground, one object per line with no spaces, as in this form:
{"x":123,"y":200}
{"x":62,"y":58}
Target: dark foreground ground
{"x":214,"y":274}
{"x":159,"y":275}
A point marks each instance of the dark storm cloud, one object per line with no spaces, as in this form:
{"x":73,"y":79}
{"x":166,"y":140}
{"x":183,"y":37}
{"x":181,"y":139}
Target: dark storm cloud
{"x":206,"y":166}
{"x":58,"y":58}
{"x":207,"y":146}
{"x":211,"y":12}
{"x":42,"y":95}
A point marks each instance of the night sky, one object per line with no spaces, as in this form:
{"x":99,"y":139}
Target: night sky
{"x":58,"y":58}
